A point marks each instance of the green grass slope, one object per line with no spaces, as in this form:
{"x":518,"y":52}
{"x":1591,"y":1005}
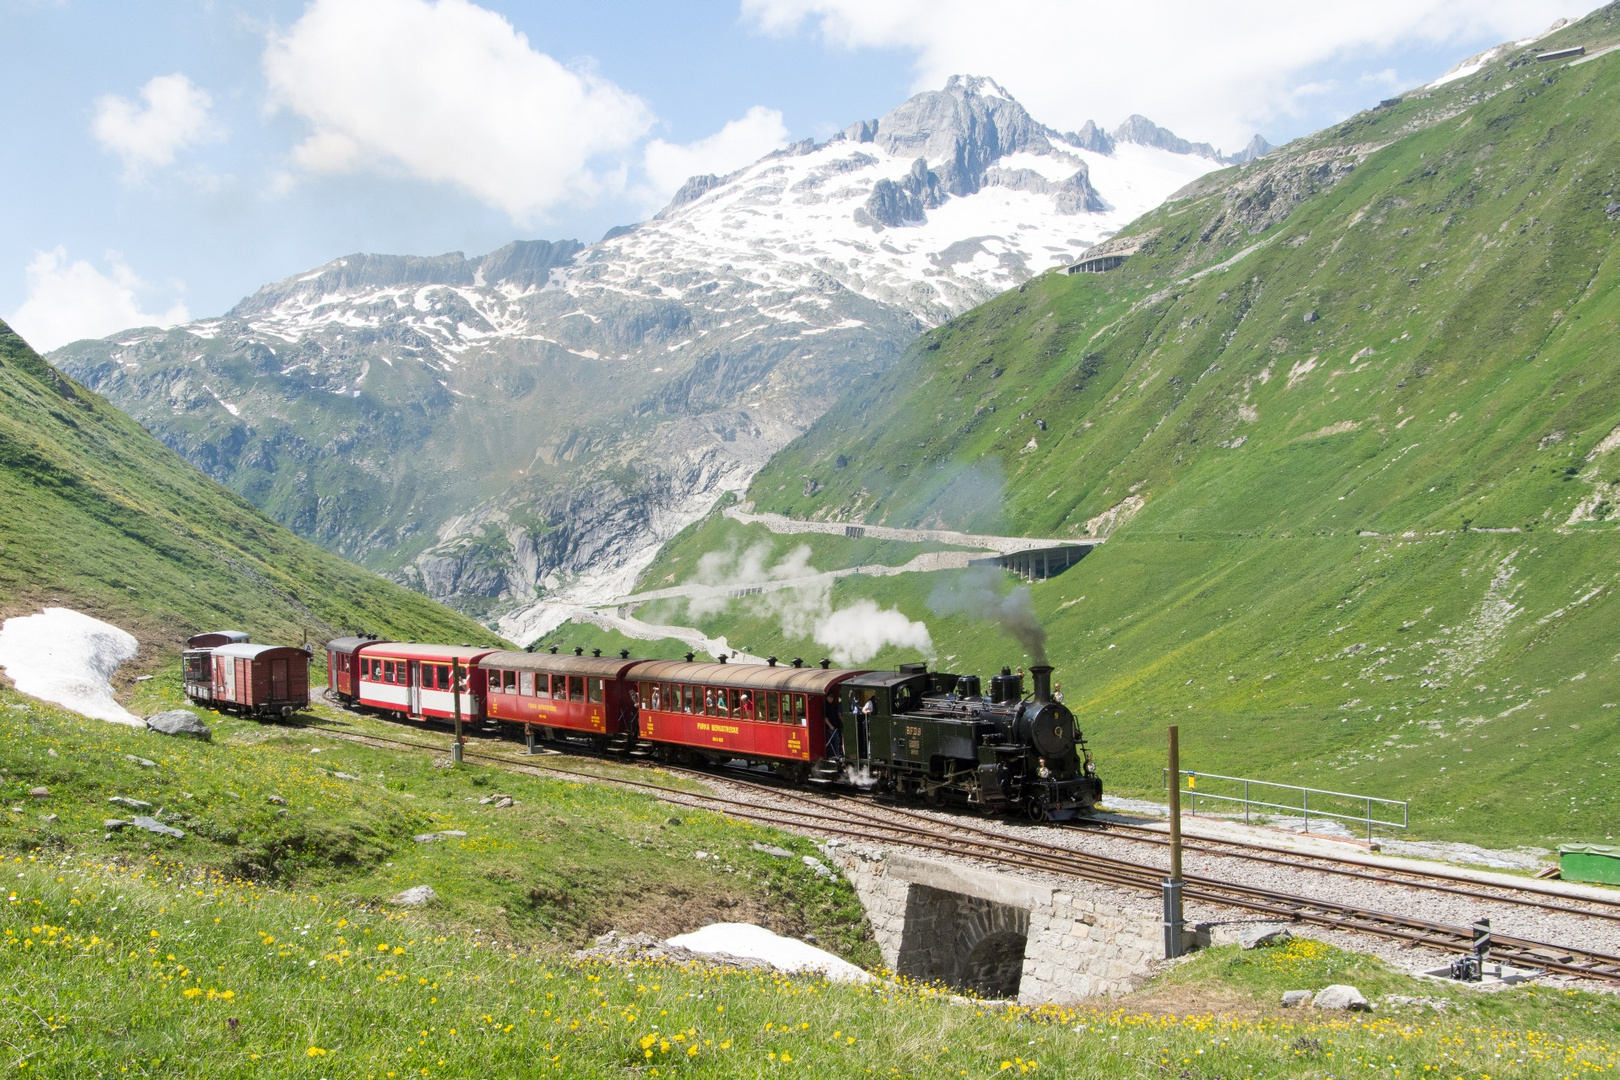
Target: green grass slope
{"x":1350,"y":419}
{"x":96,"y":514}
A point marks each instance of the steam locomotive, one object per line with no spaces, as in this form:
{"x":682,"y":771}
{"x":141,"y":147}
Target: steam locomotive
{"x":936,"y":736}
{"x":916,"y":733}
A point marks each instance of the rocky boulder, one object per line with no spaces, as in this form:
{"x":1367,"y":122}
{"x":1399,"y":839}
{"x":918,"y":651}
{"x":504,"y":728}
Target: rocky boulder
{"x":416,"y":896}
{"x":179,"y":722}
{"x":1264,"y":936}
{"x":1339,"y":996}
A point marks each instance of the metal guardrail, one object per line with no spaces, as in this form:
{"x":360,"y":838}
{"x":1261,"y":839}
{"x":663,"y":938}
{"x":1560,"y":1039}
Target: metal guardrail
{"x":1303,"y":807}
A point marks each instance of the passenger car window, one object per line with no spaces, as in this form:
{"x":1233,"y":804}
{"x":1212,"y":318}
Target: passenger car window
{"x":593,"y":689}
{"x":576,"y":688}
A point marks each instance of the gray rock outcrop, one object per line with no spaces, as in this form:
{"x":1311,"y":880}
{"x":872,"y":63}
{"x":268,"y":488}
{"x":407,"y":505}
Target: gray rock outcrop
{"x":1296,"y":999}
{"x":1342,"y":997}
{"x":415,"y":896}
{"x":180,"y":722}
{"x":149,"y":824}
{"x":1264,"y":937}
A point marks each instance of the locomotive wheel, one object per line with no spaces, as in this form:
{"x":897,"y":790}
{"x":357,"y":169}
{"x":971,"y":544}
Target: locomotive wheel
{"x":1035,"y":810}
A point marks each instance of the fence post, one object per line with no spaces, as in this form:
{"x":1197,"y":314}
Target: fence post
{"x":1246,"y":804}
{"x":455,"y":692}
{"x":1305,"y":803}
{"x":1173,"y":944}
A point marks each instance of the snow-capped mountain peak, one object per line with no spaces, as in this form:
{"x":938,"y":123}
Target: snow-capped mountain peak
{"x":948,"y":199}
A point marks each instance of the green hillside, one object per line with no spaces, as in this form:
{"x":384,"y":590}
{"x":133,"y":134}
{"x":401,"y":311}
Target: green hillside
{"x":97,"y":515}
{"x":1352,"y":414}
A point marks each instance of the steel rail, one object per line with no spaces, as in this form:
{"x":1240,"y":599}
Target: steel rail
{"x":1044,"y":857}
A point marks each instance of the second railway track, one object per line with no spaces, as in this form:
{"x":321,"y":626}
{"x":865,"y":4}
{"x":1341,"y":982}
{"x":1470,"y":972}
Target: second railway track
{"x":851,"y":819}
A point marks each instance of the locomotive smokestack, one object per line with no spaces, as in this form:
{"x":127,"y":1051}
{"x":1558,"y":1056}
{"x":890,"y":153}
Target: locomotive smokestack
{"x":1041,"y":676}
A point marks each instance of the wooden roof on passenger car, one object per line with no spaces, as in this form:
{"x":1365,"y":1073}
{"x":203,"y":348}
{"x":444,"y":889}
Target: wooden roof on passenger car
{"x":807,"y":680}
{"x":606,"y":667}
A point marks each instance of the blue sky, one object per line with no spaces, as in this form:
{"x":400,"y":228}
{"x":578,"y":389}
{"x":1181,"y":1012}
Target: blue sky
{"x":165,"y":159}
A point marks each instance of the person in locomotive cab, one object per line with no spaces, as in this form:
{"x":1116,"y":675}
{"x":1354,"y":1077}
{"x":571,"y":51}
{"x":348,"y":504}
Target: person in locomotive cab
{"x":835,"y":727}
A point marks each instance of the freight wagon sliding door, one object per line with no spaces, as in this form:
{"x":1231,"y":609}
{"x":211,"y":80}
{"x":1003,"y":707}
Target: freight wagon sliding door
{"x":415,"y":685}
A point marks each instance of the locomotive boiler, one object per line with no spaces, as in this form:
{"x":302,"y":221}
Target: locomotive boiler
{"x":936,"y":736}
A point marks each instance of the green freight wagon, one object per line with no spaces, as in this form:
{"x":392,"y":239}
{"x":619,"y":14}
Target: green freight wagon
{"x":1589,"y":862}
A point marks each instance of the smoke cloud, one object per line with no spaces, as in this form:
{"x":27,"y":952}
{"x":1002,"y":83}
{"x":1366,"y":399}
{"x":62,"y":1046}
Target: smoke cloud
{"x":799,"y":598}
{"x":976,"y":592}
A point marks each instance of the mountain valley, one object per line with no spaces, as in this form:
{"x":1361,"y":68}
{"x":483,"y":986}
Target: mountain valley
{"x":503,"y":432}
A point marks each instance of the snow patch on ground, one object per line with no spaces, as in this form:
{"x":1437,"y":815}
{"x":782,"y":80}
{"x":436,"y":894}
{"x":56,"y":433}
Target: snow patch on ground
{"x":1524,"y":858}
{"x":68,"y":658}
{"x":750,"y":942}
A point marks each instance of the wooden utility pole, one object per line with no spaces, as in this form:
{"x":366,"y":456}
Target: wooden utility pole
{"x":1173,"y":945}
{"x":455,"y":690}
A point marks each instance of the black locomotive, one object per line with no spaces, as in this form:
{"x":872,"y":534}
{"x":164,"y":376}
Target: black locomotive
{"x":935,"y":735}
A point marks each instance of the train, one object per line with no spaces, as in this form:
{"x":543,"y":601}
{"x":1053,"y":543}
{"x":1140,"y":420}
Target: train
{"x":930,"y":735}
{"x":225,"y":671}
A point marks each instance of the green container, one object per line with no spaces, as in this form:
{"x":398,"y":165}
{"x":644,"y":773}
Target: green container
{"x":1589,"y":862}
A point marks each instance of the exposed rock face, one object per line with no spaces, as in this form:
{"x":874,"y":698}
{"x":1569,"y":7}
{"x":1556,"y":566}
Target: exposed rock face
{"x":1341,"y":997}
{"x":504,"y":431}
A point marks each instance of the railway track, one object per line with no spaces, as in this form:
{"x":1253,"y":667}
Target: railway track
{"x":1413,"y":877}
{"x":961,"y":839}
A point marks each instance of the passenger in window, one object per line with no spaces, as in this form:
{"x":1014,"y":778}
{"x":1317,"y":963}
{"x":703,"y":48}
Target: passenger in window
{"x":655,"y":695}
{"x":708,"y":702}
{"x":747,"y":705}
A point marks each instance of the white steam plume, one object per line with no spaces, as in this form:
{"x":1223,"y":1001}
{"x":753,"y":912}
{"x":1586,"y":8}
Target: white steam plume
{"x":803,"y":609}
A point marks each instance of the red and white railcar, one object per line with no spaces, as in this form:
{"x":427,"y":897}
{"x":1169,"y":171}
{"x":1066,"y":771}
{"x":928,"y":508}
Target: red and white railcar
{"x":587,"y":695}
{"x":415,"y":680}
{"x":260,"y":680}
{"x":757,"y":712}
{"x":343,"y":665}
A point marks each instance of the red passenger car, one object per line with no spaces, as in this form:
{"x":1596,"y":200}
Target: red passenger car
{"x":754,"y":711}
{"x":562,"y":694}
{"x":260,"y":680}
{"x":415,"y":680}
{"x":343,"y":665}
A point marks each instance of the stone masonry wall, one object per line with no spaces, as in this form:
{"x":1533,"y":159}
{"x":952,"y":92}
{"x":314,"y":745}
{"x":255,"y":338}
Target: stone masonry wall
{"x":935,"y":919}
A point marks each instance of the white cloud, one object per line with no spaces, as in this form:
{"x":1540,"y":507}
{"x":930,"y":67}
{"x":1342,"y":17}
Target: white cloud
{"x":741,"y":142}
{"x":451,"y":93}
{"x":68,"y":301}
{"x":174,"y":116}
{"x":1208,"y":71}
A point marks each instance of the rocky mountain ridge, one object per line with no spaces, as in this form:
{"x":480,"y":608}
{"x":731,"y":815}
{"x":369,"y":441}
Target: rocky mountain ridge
{"x":506,"y":429}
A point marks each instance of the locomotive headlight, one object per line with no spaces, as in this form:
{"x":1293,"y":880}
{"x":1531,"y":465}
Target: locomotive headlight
{"x":1044,"y":773}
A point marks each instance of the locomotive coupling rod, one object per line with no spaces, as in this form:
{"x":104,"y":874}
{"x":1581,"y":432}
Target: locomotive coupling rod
{"x":1173,"y":944}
